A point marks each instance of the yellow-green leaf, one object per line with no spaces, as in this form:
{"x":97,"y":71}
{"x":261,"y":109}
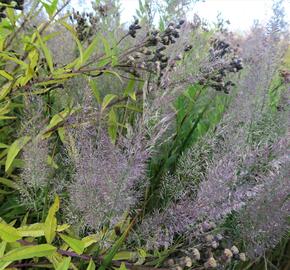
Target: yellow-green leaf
{"x":90,"y":49}
{"x":50,"y":6}
{"x":76,"y":245}
{"x":91,"y":265}
{"x":8,"y":183}
{"x":13,"y":59}
{"x":91,"y":239}
{"x":112,"y":125}
{"x":3,"y":265}
{"x":63,"y":227}
{"x":56,"y":119}
{"x":107,"y":99}
{"x":94,"y":87}
{"x":75,"y":37}
{"x":64,"y":265}
{"x":6,"y":108}
{"x":46,"y":52}
{"x":50,"y":224}
{"x":51,"y":162}
{"x":123,"y":266}
{"x":33,"y":230}
{"x":6,"y":75}
{"x":125,"y":255}
{"x":6,"y":88}
{"x":28,"y":252}
{"x":3,"y":145}
{"x":2,"y":247}
{"x":14,"y":150}
{"x":8,"y":233}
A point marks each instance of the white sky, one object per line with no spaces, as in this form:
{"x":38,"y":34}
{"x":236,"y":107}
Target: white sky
{"x":241,"y":13}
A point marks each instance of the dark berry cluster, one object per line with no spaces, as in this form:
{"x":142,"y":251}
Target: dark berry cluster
{"x":133,"y":28}
{"x":18,"y":5}
{"x":220,"y":48}
{"x":169,"y":35}
{"x":86,"y":24}
{"x":222,"y":51}
{"x":152,"y":56}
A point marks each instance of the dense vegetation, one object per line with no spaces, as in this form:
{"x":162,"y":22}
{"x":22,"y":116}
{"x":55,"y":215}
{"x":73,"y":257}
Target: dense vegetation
{"x":144,"y":145}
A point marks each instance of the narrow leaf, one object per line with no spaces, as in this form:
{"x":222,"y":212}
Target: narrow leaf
{"x":76,"y":245}
{"x":14,"y":150}
{"x":46,"y":52}
{"x":50,"y":224}
{"x":91,"y":265}
{"x":107,"y":99}
{"x":8,"y":233}
{"x":64,"y":265}
{"x":28,"y":252}
{"x":6,"y":75}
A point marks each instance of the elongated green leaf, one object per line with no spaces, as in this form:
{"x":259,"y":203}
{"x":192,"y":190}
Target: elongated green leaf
{"x":129,"y":91}
{"x":107,"y":99}
{"x":2,"y":248}
{"x":3,"y":265}
{"x":6,"y":75}
{"x":51,"y":162}
{"x":50,"y":224}
{"x":90,"y":49}
{"x":6,"y":108}
{"x":56,"y":119}
{"x":5,"y":90}
{"x":96,"y":92}
{"x":112,"y":125}
{"x":46,"y":52}
{"x":8,"y":233}
{"x":75,"y":37}
{"x":76,"y":245}
{"x":125,"y":256}
{"x":91,"y":265}
{"x":3,"y":145}
{"x":50,"y":6}
{"x":64,"y":265}
{"x":28,"y":252}
{"x":33,"y":230}
{"x":106,"y":45}
{"x":37,"y":229}
{"x":8,"y":183}
{"x":91,"y":239}
{"x":123,"y":266}
{"x":114,"y":249}
{"x":13,"y":59}
{"x":14,"y":150}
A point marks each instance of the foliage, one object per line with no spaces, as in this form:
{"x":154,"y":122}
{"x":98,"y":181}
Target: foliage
{"x":136,"y":147}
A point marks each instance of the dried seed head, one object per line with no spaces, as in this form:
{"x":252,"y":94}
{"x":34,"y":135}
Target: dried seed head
{"x":242,"y":257}
{"x":170,"y":262}
{"x":227,"y":254}
{"x":235,"y":250}
{"x":209,"y":238}
{"x":188,"y":261}
{"x":185,"y":261}
{"x":218,"y":237}
{"x":195,"y":254}
{"x":211,"y":263}
{"x":177,"y":267}
{"x":214,"y":244}
{"x":131,"y":58}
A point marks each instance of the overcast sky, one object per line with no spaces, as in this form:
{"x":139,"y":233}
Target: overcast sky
{"x":241,"y":13}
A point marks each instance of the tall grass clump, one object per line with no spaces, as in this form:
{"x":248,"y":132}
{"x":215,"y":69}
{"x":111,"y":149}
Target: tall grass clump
{"x":144,"y":144}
